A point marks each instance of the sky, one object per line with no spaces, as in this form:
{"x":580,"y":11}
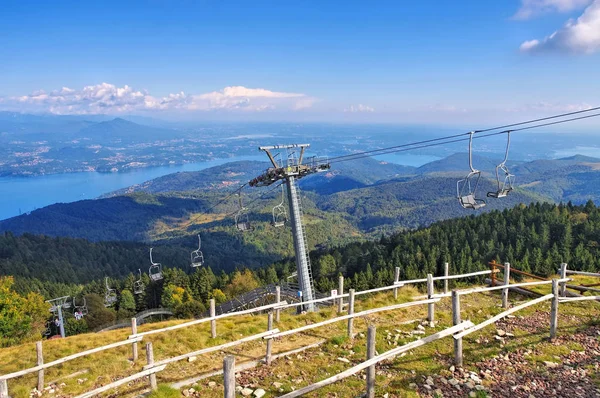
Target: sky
{"x":352,"y":61}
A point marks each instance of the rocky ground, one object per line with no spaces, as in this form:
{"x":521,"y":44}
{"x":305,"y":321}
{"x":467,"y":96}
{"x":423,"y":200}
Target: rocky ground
{"x":519,"y":374}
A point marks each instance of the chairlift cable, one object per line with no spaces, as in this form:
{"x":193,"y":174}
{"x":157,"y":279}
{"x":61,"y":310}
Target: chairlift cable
{"x":538,"y":120}
{"x":447,"y":140}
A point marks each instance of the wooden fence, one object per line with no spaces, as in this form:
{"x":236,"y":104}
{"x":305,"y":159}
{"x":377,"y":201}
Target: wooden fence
{"x":459,"y":329}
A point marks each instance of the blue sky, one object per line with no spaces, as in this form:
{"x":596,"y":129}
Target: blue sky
{"x":395,"y":61}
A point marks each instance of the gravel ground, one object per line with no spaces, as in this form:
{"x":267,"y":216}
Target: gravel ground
{"x":515,"y":375}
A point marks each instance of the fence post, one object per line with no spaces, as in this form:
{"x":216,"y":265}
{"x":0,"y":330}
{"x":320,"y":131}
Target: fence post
{"x":554,"y":310}
{"x":3,"y":389}
{"x":134,"y":346}
{"x":371,"y":333}
{"x":277,"y":300}
{"x":150,"y":360}
{"x":506,"y":282}
{"x":430,"y":306}
{"x":563,"y":275}
{"x":458,"y":351}
{"x":213,"y":322}
{"x":229,"y":376}
{"x":340,"y":292}
{"x":350,"y":312}
{"x":40,"y":361}
{"x":269,"y":341}
{"x":446,"y":273}
{"x":396,"y":279}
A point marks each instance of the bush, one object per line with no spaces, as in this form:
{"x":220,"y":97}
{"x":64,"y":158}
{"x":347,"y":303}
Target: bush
{"x":189,"y":309}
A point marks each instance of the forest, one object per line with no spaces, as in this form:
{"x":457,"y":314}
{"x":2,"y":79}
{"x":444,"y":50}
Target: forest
{"x":534,"y":238}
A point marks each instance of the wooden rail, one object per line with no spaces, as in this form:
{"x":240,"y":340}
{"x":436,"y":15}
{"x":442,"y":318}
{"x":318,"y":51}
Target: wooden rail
{"x":494,"y":264}
{"x":68,"y":358}
{"x":376,"y":359}
{"x":350,"y":316}
{"x":582,"y":273}
{"x":120,"y":382}
{"x":501,"y":315}
{"x":582,"y":298}
{"x":203,"y":320}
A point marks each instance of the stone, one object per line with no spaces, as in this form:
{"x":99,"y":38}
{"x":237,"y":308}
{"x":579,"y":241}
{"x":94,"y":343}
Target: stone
{"x":429,"y":381}
{"x":185,"y":393}
{"x":470,"y":385}
{"x":277,"y":384}
{"x":550,"y":364}
{"x":246,"y":392}
{"x":192,"y":359}
{"x":500,"y":332}
{"x":475,"y":378}
{"x":439,"y":393}
{"x":345,"y":360}
{"x":413,"y":386}
{"x":452,"y":368}
{"x":191,"y":390}
{"x":472,"y":394}
{"x":258,"y":393}
{"x":420,"y":327}
{"x":453,"y":382}
{"x":212,"y":384}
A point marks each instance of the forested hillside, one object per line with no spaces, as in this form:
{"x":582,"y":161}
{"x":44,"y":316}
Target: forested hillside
{"x":534,"y":238}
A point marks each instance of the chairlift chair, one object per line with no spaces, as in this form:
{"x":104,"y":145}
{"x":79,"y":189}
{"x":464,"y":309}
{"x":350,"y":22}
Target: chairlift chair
{"x":110,"y":297}
{"x":467,"y":187}
{"x":242,"y":221}
{"x":197,"y":256}
{"x":279,"y":213}
{"x":81,"y":309}
{"x":505,"y":186}
{"x":155,"y":270}
{"x":138,"y":286}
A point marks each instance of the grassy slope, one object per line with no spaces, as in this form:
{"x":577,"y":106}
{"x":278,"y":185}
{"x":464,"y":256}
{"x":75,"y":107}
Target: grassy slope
{"x":312,"y":366}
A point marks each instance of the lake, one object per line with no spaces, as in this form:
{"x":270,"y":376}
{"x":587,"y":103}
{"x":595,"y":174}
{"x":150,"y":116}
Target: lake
{"x":24,"y":194}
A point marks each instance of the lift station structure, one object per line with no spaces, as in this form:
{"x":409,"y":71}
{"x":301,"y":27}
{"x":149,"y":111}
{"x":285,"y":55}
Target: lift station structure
{"x":291,"y":167}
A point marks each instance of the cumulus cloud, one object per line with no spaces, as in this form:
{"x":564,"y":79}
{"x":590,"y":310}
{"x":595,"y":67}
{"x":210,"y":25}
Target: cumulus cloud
{"x":532,"y":8}
{"x":359,"y":108}
{"x":109,"y":99}
{"x":577,"y":36}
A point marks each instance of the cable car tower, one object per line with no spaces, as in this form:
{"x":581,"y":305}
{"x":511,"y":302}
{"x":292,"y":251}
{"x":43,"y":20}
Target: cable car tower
{"x":58,"y":304}
{"x":289,"y":171}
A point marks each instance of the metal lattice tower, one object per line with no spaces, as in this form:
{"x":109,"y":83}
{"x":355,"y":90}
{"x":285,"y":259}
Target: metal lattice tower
{"x":291,"y":169}
{"x":57,"y":306}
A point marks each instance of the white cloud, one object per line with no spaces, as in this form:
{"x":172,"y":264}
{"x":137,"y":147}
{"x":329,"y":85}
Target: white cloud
{"x":577,"y":36}
{"x":109,"y":99}
{"x":532,"y":8}
{"x":359,"y":108}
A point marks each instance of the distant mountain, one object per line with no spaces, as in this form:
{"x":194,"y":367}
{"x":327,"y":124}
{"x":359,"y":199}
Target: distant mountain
{"x":342,"y":176}
{"x":122,"y":130}
{"x":459,"y":162}
{"x":364,"y":198}
{"x":229,"y":175}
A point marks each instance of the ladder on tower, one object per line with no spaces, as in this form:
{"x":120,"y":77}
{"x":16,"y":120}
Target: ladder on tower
{"x":300,"y":217}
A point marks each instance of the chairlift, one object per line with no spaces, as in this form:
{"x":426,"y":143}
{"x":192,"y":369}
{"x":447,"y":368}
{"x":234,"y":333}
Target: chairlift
{"x":138,"y":286}
{"x":48,"y":330}
{"x":110,"y":297}
{"x":155,"y":270}
{"x":467,"y":187}
{"x":80,"y":310}
{"x":279,"y":213}
{"x":197,"y":256}
{"x":506,"y":186}
{"x":242,"y":221}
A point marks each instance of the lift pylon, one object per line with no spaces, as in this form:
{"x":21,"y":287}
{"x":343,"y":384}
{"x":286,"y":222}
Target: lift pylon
{"x":289,"y":170}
